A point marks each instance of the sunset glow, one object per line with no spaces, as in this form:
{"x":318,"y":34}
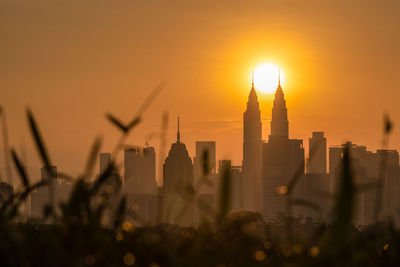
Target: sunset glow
{"x":266,"y":77}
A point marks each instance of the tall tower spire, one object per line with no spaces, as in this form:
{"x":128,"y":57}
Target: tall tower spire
{"x":252,"y":153}
{"x":279,"y":77}
{"x":252,"y":79}
{"x":178,"y":135}
{"x":279,"y":122}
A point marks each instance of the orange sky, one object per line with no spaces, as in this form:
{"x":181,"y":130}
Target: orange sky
{"x":71,"y":61}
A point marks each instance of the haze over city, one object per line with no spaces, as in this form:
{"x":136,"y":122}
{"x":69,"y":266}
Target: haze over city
{"x":72,"y":61}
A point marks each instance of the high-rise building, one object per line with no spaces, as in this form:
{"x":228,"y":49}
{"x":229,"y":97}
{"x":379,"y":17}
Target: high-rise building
{"x":282,"y":159}
{"x":335,"y":155}
{"x":140,"y":171}
{"x":52,"y":194}
{"x":140,"y":183}
{"x":252,"y":153}
{"x":237,"y":189}
{"x":368,"y":167}
{"x":203,"y":147}
{"x":317,"y":153}
{"x":177,"y":178}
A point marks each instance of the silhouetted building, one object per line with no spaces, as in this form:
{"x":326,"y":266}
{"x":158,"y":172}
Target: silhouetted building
{"x":140,"y":171}
{"x":317,"y":153}
{"x":316,"y":190}
{"x":52,"y":194}
{"x":177,"y":181}
{"x":140,"y":183}
{"x":252,"y":153}
{"x":44,"y":195}
{"x":237,"y":188}
{"x":368,"y":168}
{"x":282,"y":158}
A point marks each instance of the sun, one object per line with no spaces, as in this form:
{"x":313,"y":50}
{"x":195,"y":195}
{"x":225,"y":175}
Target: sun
{"x":266,"y":77}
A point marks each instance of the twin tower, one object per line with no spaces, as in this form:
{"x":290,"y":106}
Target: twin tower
{"x":267,"y":166}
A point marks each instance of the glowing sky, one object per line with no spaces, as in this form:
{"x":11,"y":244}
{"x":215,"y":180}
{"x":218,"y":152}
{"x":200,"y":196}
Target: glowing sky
{"x":72,"y":61}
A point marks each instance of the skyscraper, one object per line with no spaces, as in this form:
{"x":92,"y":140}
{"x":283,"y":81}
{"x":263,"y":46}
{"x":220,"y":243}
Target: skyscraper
{"x":282,"y":158}
{"x":367,"y":168}
{"x":140,"y":171}
{"x":317,"y":147}
{"x":52,"y":194}
{"x":316,"y":181}
{"x":177,"y":176}
{"x":252,"y":153}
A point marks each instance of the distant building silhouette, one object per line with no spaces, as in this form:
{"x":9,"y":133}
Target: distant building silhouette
{"x":317,"y":146}
{"x":282,"y":158}
{"x":237,"y":188}
{"x":316,"y":181}
{"x":52,"y":194}
{"x":140,"y":183}
{"x":42,"y":196}
{"x":367,"y":168}
{"x":140,"y":171}
{"x":252,"y":153}
{"x":177,"y":179}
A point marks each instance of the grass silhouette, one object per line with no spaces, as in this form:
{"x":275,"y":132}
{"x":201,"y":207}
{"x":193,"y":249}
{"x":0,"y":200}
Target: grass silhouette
{"x":84,"y":231}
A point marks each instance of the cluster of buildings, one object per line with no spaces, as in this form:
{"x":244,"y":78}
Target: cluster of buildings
{"x":189,"y":189}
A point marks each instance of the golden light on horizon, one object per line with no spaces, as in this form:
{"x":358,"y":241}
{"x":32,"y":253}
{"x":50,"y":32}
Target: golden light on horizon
{"x":266,"y":77}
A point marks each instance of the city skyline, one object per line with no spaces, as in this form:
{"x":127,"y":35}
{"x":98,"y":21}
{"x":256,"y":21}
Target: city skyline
{"x":258,"y":185}
{"x":191,"y":147}
{"x":329,"y":70}
{"x":199,"y":133}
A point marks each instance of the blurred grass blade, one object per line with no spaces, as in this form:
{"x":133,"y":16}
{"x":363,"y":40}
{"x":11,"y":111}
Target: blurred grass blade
{"x":299,"y":172}
{"x":94,"y":152}
{"x":204,"y":163}
{"x":65,"y":176}
{"x":225,"y":192}
{"x":344,"y":207}
{"x":38,"y":139}
{"x":116,"y":122}
{"x":326,"y":195}
{"x":133,"y":123}
{"x":387,"y":124}
{"x":20,"y":168}
{"x":366,"y":186}
{"x":306,"y":203}
{"x":150,"y":98}
{"x":105,"y":176}
{"x":120,"y":213}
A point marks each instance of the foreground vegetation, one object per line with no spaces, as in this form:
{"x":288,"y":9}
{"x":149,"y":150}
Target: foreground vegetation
{"x":83,"y":231}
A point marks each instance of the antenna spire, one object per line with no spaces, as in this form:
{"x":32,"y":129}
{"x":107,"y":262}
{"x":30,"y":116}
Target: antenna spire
{"x":178,"y":136}
{"x":279,"y":76}
{"x":252,"y":79}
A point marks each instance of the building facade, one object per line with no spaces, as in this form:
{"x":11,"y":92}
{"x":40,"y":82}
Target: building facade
{"x":252,"y":154}
{"x":282,"y":159}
